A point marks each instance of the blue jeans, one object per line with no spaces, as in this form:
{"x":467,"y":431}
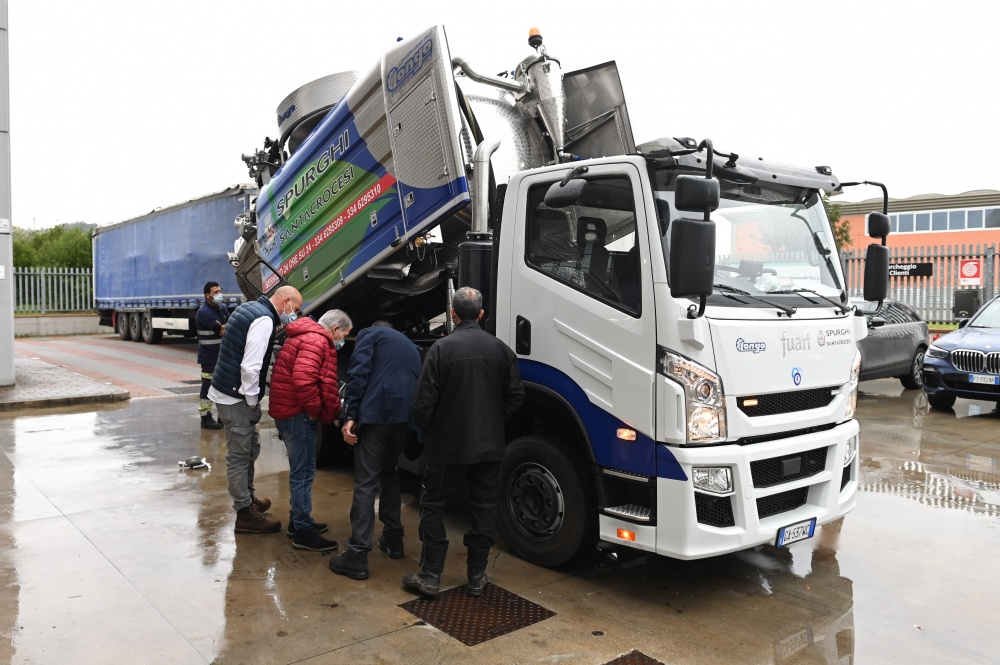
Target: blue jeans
{"x":375,"y":456}
{"x":299,"y":434}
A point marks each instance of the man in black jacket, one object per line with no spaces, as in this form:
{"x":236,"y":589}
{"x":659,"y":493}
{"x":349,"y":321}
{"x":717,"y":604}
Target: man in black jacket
{"x":469,"y":386}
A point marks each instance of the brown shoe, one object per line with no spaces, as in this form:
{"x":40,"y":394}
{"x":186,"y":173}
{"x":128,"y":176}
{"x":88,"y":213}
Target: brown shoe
{"x":251,"y":520}
{"x":263,"y":505}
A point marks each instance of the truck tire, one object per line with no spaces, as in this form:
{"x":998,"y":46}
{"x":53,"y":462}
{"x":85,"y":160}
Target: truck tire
{"x":135,"y":327}
{"x":546,"y":512}
{"x":149,"y":335}
{"x":121,"y":323}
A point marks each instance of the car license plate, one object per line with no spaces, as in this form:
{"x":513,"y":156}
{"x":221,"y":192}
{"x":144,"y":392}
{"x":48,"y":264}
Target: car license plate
{"x":796,"y":532}
{"x":984,"y":378}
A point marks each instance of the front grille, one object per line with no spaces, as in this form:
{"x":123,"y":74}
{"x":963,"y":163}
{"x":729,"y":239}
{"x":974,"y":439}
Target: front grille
{"x":775,"y":403}
{"x":782,"y":503}
{"x":974,"y":387}
{"x":846,"y":478}
{"x":714,"y":510}
{"x":969,"y":360}
{"x":768,"y":472}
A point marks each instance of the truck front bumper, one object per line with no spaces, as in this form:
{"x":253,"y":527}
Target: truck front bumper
{"x":775,"y":484}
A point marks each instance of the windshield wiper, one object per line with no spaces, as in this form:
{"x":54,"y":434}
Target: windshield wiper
{"x":732,"y":289}
{"x":841,"y":307}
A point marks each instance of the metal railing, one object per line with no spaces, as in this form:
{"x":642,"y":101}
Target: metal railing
{"x":51,"y":290}
{"x":932,"y":297}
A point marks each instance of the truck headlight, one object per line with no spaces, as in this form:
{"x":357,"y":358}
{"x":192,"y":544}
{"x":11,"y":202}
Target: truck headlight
{"x":852,"y":398}
{"x":714,"y":479}
{"x":706,"y":403}
{"x":937,"y":352}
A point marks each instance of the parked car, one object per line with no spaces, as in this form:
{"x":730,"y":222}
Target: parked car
{"x":966,"y":363}
{"x":895,"y":345}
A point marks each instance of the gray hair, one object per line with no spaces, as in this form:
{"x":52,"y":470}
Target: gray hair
{"x":467,"y":302}
{"x":336,"y":317}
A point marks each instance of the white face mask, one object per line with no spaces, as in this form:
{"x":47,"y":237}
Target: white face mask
{"x":218,"y":298}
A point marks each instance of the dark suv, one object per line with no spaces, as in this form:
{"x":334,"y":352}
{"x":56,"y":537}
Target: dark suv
{"x":966,"y":363}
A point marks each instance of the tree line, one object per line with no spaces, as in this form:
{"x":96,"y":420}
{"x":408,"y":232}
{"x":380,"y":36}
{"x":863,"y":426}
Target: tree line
{"x":64,"y":246}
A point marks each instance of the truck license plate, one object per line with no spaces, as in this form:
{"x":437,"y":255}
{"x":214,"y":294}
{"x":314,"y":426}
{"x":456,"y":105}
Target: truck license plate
{"x":796,"y":532}
{"x":984,"y":378}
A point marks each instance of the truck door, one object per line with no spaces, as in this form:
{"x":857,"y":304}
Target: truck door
{"x":581,"y":307}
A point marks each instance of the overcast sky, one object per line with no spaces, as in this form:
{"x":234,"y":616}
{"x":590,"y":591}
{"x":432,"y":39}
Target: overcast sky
{"x":119,"y":107}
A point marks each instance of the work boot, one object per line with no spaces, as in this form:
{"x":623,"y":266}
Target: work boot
{"x":476,"y":563}
{"x":425,"y":582}
{"x":312,"y":541}
{"x":263,"y":505}
{"x":251,"y":520}
{"x":318,"y":527}
{"x":393,"y":547}
{"x":351,"y":564}
{"x":208,"y":422}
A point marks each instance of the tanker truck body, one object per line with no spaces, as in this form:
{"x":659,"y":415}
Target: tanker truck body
{"x":679,"y":313}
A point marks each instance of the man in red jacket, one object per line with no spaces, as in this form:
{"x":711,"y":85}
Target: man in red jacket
{"x":303,"y":391}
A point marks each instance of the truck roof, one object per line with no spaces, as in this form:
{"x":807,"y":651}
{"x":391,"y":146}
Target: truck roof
{"x":228,"y":191}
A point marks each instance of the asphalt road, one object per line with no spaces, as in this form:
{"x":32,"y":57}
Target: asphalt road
{"x":110,"y":553}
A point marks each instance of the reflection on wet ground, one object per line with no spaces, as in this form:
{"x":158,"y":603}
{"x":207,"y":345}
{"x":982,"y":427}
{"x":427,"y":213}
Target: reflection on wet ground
{"x":109,"y":552}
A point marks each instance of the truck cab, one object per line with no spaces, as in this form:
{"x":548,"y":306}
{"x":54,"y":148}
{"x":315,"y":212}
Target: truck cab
{"x":694,"y":436}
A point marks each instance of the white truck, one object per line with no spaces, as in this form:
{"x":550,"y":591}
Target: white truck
{"x":691,"y":378}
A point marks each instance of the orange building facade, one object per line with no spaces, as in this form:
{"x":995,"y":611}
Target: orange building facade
{"x":931,"y":220}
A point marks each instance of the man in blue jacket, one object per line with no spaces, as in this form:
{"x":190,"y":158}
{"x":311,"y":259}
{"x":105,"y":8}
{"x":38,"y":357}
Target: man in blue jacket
{"x":378,"y":422}
{"x":210,"y":321}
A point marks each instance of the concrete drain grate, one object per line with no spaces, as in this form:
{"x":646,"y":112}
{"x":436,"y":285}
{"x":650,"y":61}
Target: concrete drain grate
{"x":184,"y":390}
{"x":475,"y":620}
{"x":634,"y":658}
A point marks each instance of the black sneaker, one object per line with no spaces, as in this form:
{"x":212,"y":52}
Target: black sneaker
{"x":312,"y":541}
{"x":393,"y":548}
{"x":318,"y":527}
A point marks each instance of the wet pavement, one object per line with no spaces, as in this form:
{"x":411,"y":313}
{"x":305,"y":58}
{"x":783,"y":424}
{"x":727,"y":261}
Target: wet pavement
{"x":109,"y":552}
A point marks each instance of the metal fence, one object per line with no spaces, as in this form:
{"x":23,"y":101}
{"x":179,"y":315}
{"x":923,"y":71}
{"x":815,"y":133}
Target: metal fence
{"x":48,"y":290}
{"x":933,"y":297}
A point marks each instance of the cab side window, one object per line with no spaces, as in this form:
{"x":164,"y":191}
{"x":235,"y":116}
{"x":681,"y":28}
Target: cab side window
{"x":591,"y":246}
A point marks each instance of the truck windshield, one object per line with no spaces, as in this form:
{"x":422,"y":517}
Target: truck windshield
{"x":772,"y":241}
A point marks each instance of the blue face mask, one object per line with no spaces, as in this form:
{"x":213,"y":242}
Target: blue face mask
{"x":338,"y":344}
{"x":218,"y":299}
{"x":288,"y":318}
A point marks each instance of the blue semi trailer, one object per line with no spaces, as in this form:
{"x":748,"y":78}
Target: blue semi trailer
{"x":149,"y":272}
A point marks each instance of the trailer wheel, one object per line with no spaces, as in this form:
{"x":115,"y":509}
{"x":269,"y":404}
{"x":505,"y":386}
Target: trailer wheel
{"x":135,"y":326}
{"x":121,"y":322}
{"x":546,"y":511}
{"x":149,"y":335}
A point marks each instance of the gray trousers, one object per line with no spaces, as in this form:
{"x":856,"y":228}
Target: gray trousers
{"x":242,"y":448}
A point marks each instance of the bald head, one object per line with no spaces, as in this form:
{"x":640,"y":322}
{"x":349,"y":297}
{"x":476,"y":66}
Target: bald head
{"x":286,"y":300}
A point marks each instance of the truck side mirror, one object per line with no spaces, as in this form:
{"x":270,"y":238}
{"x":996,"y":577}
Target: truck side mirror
{"x":562,"y":195}
{"x":694,"y":194}
{"x":692,"y":258}
{"x":878,"y":225}
{"x":876,"y":273}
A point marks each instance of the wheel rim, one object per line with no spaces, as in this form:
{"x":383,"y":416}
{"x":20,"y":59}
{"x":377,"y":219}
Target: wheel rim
{"x":535,"y":501}
{"x":147,"y":327}
{"x":918,"y":363}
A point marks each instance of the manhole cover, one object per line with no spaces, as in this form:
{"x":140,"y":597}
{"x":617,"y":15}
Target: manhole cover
{"x":184,"y":390}
{"x":474,"y":620}
{"x":197,"y":381}
{"x":634,"y":658}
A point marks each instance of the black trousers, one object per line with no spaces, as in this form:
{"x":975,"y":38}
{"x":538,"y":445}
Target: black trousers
{"x":441,"y":481}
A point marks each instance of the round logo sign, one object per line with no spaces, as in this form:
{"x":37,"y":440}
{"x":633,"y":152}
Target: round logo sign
{"x":796,"y":375}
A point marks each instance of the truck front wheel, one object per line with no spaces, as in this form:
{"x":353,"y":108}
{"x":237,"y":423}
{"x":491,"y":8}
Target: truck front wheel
{"x":546,"y":511}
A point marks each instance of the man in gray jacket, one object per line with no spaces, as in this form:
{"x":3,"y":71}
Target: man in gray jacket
{"x":469,"y":386}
